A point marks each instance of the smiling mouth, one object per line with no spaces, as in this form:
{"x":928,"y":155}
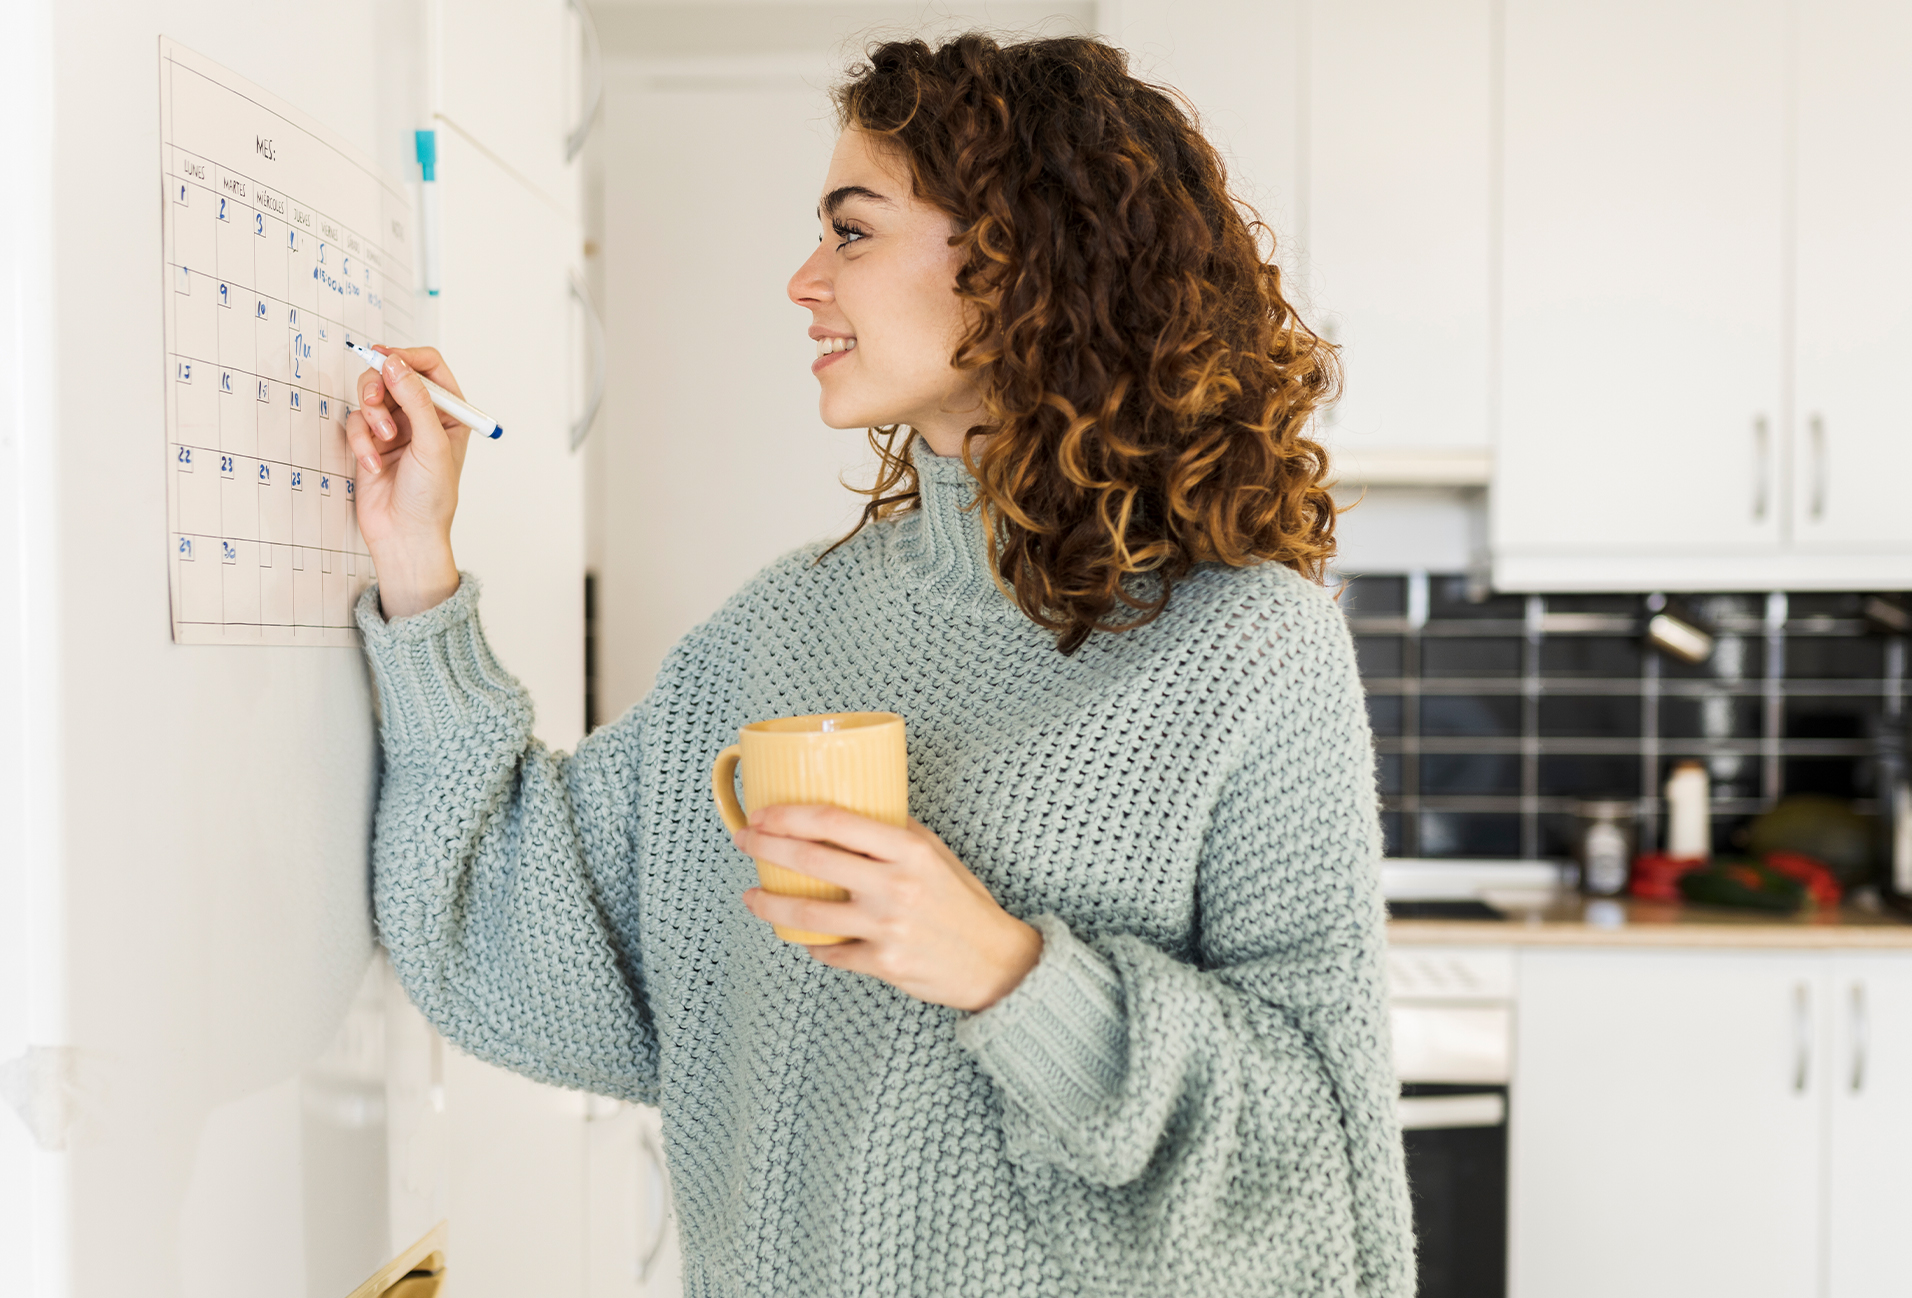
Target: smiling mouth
{"x":830,"y":346}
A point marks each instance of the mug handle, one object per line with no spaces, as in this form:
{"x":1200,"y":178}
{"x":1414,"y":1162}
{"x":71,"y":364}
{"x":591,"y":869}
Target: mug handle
{"x":723,"y":783}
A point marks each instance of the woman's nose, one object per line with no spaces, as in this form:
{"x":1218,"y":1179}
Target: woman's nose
{"x":810,"y":286}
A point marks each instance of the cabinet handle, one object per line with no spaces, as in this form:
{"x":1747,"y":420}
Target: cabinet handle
{"x":582,"y":428}
{"x":1762,"y":468}
{"x":1859,"y":1042}
{"x":1802,"y":1037}
{"x":1817,"y":428}
{"x":594,"y":78}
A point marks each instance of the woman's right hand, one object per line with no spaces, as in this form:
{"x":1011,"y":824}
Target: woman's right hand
{"x":409,"y":457}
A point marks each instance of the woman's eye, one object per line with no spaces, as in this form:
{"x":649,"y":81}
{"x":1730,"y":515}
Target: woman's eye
{"x":848,"y":233}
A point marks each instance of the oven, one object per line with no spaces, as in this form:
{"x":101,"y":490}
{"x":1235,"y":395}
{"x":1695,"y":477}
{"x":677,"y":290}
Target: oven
{"x":1451,"y":1011}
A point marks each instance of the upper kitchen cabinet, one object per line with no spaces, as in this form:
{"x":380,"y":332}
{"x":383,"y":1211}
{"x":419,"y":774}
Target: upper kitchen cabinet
{"x":1706,"y":296}
{"x":538,"y":49}
{"x":1242,"y":67}
{"x":1397,"y":230}
{"x":1644,"y":264}
{"x":1852,"y":438}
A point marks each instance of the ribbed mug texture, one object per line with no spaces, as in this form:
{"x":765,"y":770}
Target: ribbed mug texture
{"x":854,"y":760}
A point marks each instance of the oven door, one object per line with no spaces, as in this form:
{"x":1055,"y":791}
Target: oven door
{"x":1456,"y":1140}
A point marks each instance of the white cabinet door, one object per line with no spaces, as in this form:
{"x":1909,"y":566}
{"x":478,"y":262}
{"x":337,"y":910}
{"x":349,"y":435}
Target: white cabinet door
{"x":505,"y":329}
{"x":517,"y":1184}
{"x":1643,"y":282}
{"x":1852,"y":457}
{"x":1242,"y":67}
{"x":1870,"y":1083}
{"x":508,"y":77}
{"x":1665,"y":1125}
{"x":631,"y":1232}
{"x":1399,"y":192}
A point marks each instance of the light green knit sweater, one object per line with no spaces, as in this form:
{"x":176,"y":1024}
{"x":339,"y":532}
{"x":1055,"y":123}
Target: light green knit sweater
{"x":1191,"y":1093}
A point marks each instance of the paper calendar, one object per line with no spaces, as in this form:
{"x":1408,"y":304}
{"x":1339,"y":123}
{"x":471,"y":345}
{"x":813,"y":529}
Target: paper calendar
{"x":281,"y":240}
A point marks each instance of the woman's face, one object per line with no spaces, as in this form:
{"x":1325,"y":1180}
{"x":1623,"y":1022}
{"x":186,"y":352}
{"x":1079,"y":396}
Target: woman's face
{"x":883,"y":308}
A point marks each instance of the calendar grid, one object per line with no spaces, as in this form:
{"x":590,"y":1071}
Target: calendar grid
{"x":269,"y":268}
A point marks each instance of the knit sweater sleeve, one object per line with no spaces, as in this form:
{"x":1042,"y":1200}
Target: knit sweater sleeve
{"x":498,"y":865}
{"x":1248,"y":1095}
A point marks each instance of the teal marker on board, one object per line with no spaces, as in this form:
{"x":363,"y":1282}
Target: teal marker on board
{"x":426,"y":143}
{"x":457,"y":407}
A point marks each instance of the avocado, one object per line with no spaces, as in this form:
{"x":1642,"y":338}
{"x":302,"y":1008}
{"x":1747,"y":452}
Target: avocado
{"x":1826,"y":829}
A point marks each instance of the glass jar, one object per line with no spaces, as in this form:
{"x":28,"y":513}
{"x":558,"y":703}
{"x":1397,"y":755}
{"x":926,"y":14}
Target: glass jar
{"x":1604,"y":846}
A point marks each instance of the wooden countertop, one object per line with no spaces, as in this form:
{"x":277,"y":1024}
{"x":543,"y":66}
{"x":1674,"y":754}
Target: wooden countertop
{"x":1624,"y":922}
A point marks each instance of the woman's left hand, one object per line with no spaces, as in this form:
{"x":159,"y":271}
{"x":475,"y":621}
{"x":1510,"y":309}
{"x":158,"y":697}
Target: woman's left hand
{"x":918,"y":919}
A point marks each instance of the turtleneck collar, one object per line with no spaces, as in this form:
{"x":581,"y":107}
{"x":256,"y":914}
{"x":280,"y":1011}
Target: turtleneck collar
{"x":942,"y":540}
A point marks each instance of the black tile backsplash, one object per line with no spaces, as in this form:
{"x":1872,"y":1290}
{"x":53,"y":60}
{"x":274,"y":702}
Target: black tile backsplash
{"x":1471,"y":656}
{"x":1590,"y":716}
{"x":1835,"y":657}
{"x":1589,"y":775}
{"x":1480,"y":774}
{"x":1379,"y":655}
{"x":1384,"y":713}
{"x":1587,"y":655}
{"x":1494,"y":715}
{"x":1711,"y":716}
{"x":1471,"y":715}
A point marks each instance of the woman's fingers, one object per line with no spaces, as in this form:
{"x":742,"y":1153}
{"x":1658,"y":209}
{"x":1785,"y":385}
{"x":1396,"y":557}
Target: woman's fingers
{"x":841,"y":917}
{"x":408,"y":390}
{"x":365,"y":450}
{"x":428,"y":362}
{"x":846,"y":829}
{"x":818,"y":860}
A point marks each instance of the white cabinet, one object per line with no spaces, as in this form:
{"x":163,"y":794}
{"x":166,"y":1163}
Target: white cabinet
{"x":1362,"y":131}
{"x":1242,"y":67}
{"x":1704,"y":296}
{"x":1852,"y":440}
{"x":1869,"y":1087}
{"x":1397,"y":223}
{"x":1643,"y":289}
{"x":631,"y":1234}
{"x":1687,"y":1122}
{"x":1664,"y":1136}
{"x":517,"y":1184}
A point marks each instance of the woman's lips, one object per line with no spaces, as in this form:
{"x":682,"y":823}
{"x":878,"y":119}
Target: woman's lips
{"x":817,"y":365}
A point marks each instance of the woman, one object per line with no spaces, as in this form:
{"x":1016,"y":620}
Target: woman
{"x":1112,"y":1022}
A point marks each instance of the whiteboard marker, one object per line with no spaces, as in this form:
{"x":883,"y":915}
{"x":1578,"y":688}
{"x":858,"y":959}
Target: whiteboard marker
{"x":457,"y":407}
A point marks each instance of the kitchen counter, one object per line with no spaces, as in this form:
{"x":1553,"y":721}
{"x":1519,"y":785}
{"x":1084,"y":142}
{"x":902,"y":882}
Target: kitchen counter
{"x":1583,"y":921}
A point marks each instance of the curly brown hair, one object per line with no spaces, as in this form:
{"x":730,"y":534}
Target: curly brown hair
{"x":1146,"y":387}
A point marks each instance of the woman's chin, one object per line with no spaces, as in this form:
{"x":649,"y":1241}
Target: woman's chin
{"x":844,"y":414}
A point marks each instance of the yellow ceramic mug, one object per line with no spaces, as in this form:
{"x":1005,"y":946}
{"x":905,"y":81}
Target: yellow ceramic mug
{"x":853,"y":760}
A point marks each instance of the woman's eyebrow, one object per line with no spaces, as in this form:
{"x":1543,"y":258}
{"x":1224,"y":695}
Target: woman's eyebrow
{"x":836,"y":198}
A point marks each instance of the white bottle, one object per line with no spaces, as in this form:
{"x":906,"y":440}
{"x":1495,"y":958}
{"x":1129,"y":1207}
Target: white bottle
{"x":1689,"y":823}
